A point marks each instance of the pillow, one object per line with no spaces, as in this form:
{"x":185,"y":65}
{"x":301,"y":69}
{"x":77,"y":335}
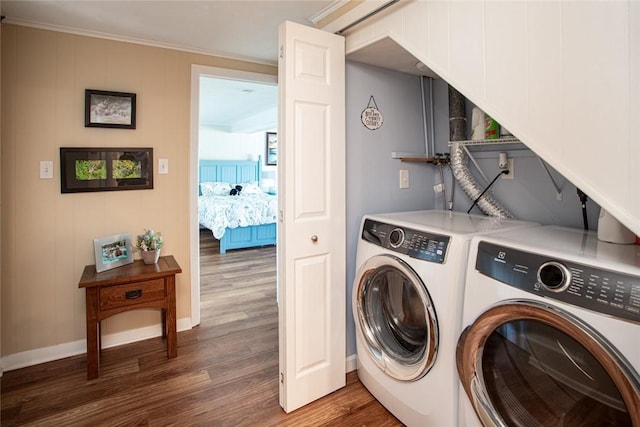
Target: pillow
{"x":215,"y":188}
{"x":251,"y":188}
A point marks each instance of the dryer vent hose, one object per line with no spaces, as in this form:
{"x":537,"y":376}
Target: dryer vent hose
{"x":460,"y":160}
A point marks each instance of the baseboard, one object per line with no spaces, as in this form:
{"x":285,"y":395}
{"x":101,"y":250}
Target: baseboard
{"x":60,"y":351}
{"x":48,"y":354}
{"x":351,"y":363}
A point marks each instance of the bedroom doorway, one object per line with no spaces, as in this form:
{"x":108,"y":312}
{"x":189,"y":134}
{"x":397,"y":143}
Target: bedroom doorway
{"x":255,"y":123}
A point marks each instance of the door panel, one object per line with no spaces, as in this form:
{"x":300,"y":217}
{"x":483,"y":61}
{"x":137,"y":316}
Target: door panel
{"x":310,"y":160}
{"x":311,"y":232}
{"x":311,"y":339}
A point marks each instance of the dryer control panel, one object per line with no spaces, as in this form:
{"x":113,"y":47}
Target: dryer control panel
{"x":596,"y":289}
{"x":414,"y":243}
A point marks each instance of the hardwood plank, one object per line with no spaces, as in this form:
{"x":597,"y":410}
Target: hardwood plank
{"x":226,"y":372}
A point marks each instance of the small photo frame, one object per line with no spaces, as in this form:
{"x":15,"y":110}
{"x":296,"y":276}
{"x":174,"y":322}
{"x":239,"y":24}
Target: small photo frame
{"x":113,"y":251}
{"x":105,"y":169}
{"x":105,"y":109}
{"x":272,"y":149}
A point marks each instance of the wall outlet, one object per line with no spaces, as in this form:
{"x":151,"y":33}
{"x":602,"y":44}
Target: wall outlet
{"x":404,"y":178}
{"x":512,"y":172}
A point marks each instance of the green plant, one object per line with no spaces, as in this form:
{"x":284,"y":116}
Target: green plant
{"x":149,"y":241}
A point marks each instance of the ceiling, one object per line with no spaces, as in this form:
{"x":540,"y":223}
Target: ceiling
{"x":237,"y":106}
{"x":239,"y":29}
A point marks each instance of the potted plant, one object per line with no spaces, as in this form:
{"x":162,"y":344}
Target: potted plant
{"x":149,"y":245}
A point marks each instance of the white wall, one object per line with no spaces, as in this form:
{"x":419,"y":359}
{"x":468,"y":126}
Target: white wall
{"x":218,"y":145}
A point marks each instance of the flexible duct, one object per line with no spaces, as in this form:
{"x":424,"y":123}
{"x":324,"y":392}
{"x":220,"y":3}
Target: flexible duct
{"x":460,"y":160}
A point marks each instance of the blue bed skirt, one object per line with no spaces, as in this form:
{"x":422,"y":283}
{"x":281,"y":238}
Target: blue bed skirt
{"x":248,"y":237}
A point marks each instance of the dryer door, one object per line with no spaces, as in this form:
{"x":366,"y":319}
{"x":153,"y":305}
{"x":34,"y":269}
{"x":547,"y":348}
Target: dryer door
{"x":524,"y":363}
{"x":397,"y":318}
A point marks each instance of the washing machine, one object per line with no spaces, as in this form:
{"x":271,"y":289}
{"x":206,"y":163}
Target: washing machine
{"x":552,"y":331}
{"x":407,"y":297}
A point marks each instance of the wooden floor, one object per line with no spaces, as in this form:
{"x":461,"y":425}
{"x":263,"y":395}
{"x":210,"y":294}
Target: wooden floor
{"x":225,"y":373}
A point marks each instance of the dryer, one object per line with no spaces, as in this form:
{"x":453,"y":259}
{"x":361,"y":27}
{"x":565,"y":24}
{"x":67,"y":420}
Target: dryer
{"x":407,"y":297}
{"x":553,"y":335}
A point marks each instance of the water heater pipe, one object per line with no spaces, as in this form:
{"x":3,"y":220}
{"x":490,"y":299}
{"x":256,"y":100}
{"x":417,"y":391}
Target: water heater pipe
{"x":424,"y":119}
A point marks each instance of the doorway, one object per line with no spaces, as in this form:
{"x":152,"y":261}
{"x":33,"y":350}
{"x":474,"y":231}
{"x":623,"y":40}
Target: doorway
{"x":197,"y":72}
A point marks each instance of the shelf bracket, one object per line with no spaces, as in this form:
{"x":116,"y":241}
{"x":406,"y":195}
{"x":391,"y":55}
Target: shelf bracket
{"x":475,"y":163}
{"x":553,"y":181}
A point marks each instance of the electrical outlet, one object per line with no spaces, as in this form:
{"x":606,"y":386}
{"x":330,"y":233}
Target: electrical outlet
{"x":512,"y":172}
{"x":404,"y":178}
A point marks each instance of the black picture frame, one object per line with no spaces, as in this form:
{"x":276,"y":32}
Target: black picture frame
{"x":271,"y":158}
{"x":106,"y":109}
{"x":105,"y":169}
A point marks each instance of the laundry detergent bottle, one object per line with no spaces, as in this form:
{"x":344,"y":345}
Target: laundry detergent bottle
{"x":491,"y":128}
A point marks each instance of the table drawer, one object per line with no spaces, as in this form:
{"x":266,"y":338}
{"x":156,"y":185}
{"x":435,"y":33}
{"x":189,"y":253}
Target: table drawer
{"x":131,"y":294}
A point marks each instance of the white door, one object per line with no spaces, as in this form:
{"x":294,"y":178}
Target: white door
{"x":311,"y":229}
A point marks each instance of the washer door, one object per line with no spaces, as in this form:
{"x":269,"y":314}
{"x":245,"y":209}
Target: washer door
{"x":397,"y":317}
{"x":524,"y":363}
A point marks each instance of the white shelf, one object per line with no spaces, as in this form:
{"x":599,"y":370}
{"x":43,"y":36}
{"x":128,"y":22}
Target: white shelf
{"x":498,"y":141}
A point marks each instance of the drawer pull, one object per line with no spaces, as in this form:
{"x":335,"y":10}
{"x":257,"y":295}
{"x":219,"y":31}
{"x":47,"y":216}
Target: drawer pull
{"x":137,"y":293}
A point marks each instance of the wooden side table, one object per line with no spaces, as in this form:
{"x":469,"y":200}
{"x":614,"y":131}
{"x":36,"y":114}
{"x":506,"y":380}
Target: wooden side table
{"x":125,"y":288}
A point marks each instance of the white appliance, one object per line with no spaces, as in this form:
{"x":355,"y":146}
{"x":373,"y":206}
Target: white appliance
{"x":553,"y":330}
{"x":407,"y":298}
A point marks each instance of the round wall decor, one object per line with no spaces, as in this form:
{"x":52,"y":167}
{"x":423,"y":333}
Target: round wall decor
{"x":371,"y":117}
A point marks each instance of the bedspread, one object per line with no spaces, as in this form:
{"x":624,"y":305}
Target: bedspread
{"x":218,"y":213}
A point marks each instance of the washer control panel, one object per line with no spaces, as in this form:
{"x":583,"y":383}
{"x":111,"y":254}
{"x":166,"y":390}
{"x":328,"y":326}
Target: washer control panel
{"x":603,"y":291}
{"x":414,"y":243}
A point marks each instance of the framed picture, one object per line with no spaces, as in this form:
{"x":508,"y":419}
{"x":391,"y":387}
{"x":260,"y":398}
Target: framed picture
{"x":105,"y":169}
{"x":104,"y":109}
{"x":113,"y":251}
{"x":272,"y":148}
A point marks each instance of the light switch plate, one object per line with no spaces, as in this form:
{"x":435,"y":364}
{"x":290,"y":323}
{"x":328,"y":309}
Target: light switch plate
{"x":46,"y":169}
{"x":163,"y":166}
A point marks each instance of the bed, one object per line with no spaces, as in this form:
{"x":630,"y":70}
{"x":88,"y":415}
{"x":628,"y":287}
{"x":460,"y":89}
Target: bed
{"x":241,"y":221}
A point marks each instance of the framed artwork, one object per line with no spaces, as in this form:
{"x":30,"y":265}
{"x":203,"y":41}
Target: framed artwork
{"x":272,"y":149}
{"x":113,"y":251}
{"x":104,"y":109}
{"x":105,"y":169}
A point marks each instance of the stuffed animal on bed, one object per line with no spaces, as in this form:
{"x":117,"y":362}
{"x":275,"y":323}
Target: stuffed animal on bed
{"x":235,"y":191}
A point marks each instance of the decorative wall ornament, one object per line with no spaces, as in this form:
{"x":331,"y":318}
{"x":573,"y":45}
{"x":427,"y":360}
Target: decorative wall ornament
{"x":371,"y":117}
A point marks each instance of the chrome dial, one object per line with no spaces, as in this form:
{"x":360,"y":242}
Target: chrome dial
{"x":554,"y":276}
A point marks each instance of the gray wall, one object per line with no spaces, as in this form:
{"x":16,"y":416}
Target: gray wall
{"x":372,"y":174}
{"x":531,"y":195}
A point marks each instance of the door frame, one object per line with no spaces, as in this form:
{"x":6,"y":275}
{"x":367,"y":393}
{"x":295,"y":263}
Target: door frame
{"x":194,"y":238}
